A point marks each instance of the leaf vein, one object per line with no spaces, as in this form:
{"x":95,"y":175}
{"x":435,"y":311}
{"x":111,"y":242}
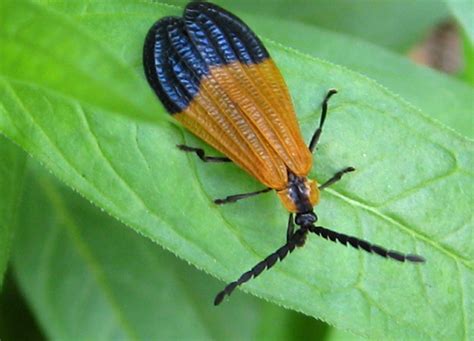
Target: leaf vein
{"x":395,"y":318}
{"x":402,"y":227}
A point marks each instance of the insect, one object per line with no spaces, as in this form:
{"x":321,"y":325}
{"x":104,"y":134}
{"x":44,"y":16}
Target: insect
{"x":214,"y":75}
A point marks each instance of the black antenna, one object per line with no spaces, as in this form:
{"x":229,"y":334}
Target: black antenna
{"x":363,"y":245}
{"x":297,"y":239}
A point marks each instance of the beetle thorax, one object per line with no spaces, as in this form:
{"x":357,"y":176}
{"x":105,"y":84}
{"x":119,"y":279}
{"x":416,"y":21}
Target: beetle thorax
{"x":300,"y":195}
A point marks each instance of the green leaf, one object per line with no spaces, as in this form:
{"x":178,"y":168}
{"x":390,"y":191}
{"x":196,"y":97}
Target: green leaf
{"x":339,"y":335}
{"x":12,"y":161}
{"x":58,"y":55}
{"x":442,"y":97}
{"x":463,"y":11}
{"x":88,"y":277}
{"x":412,"y":191}
{"x":396,"y":25}
{"x":468,"y":73}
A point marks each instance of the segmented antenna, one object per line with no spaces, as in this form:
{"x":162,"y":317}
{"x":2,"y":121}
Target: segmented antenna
{"x":363,"y":245}
{"x":296,"y":240}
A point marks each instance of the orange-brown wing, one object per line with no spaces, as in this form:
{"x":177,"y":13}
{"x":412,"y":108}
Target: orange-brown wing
{"x":211,"y":70}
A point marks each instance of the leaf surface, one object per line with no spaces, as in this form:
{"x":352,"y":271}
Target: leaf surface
{"x":87,"y":277}
{"x":43,"y":47}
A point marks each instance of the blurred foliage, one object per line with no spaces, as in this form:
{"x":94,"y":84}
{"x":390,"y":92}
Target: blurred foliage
{"x":16,"y":320}
{"x":12,"y":162}
{"x":396,"y":25}
{"x":463,"y":11}
{"x":88,"y":277}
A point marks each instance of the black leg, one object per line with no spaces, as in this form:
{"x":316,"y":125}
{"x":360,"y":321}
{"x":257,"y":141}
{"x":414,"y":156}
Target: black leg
{"x":364,"y":245}
{"x":200,"y":153}
{"x":237,"y":197}
{"x":297,"y":240}
{"x":290,"y":230}
{"x":317,"y":133}
{"x":336,"y":177}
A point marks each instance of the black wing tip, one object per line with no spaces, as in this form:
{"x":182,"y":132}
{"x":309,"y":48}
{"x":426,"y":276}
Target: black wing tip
{"x":157,"y":32}
{"x":233,"y":26}
{"x":196,"y":7}
{"x":164,"y":22}
{"x":151,"y":36}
